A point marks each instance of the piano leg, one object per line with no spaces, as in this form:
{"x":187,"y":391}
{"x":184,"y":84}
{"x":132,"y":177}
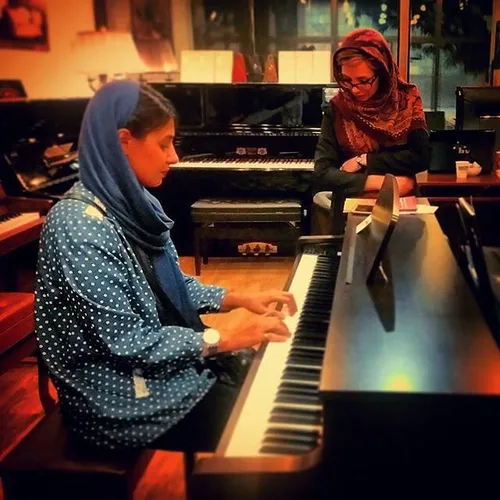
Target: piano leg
{"x":197,"y":250}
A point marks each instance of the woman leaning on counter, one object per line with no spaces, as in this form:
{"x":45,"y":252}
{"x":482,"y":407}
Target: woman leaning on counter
{"x":374,"y":125}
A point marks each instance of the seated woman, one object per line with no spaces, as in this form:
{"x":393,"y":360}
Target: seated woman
{"x":374,"y":125}
{"x":116,"y":319}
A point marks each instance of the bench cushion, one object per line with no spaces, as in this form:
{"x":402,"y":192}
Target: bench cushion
{"x":209,"y":210}
{"x":16,"y":318}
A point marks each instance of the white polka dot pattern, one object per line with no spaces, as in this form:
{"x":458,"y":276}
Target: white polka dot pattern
{"x":96,"y":322}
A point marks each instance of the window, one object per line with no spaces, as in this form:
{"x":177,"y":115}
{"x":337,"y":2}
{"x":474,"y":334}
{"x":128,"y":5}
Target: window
{"x":450,"y":46}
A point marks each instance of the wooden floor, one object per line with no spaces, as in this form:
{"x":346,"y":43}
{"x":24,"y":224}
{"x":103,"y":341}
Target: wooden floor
{"x":20,"y":408}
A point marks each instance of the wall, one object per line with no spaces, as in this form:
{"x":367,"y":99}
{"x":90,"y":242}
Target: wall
{"x":53,"y":73}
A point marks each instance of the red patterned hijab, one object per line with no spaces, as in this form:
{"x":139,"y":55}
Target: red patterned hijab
{"x":390,"y":115}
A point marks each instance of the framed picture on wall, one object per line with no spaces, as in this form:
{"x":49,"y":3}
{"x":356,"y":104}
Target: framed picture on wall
{"x":23,"y":24}
{"x":151,"y":22}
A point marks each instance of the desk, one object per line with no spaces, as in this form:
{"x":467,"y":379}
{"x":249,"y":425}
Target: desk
{"x":442,"y":188}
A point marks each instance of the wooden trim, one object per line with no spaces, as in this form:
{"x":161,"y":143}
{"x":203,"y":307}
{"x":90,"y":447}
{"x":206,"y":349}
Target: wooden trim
{"x":494,"y":74}
{"x":208,"y":463}
{"x":404,"y":39}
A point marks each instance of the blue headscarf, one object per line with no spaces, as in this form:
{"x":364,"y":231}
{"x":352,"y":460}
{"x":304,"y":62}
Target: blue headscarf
{"x":105,"y":171}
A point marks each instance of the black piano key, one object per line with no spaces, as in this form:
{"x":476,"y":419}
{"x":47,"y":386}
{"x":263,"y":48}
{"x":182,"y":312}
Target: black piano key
{"x":299,"y":399}
{"x":291,"y":417}
{"x":304,"y":360}
{"x":299,"y":351}
{"x":307,"y":435}
{"x":271,"y":439}
{"x":301,"y":374}
{"x":287,"y":387}
{"x":309,"y":343}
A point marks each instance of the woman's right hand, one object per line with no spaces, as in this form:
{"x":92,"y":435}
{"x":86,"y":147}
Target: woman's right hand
{"x":253,"y":330}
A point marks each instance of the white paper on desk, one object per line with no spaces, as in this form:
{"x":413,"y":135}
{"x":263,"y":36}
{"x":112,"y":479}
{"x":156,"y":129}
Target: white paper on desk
{"x":351,"y":203}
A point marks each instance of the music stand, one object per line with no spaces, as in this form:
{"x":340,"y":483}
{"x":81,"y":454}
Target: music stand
{"x":385,"y":215}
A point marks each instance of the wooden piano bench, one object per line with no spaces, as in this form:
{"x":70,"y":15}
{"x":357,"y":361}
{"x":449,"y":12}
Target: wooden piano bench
{"x":244,"y":220}
{"x":47,"y":464}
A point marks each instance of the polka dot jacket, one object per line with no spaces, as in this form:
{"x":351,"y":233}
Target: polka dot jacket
{"x":123,"y":379}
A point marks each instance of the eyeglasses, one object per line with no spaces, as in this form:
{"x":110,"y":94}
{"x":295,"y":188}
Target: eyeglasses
{"x":364,"y":85}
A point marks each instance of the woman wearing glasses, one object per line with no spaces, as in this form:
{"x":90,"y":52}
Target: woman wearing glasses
{"x":374,"y":125}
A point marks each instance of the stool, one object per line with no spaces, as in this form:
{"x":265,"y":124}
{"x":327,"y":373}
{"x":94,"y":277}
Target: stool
{"x":48,"y":464}
{"x":249,"y":220}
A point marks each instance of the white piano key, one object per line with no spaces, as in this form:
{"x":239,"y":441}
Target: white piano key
{"x":247,"y":436}
{"x":18,"y":221}
{"x":257,"y":164}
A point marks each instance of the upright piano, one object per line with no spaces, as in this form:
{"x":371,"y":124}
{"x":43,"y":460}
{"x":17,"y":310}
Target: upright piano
{"x":241,"y":141}
{"x":386,"y":391}
{"x":38,"y":146}
{"x":38,"y":163}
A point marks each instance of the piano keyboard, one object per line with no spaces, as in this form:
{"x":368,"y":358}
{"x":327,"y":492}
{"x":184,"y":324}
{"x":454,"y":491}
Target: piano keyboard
{"x":282,"y":413}
{"x":247,"y":164}
{"x":13,"y":220}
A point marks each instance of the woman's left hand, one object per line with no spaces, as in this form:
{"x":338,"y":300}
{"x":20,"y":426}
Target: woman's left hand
{"x":350,"y":165}
{"x":261,"y":302}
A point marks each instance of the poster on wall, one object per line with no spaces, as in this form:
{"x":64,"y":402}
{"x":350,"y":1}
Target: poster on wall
{"x":23,"y":25}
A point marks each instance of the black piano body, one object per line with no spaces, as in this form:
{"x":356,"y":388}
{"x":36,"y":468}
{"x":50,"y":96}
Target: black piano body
{"x":410,"y":387}
{"x":240,"y":141}
{"x":38,"y":146}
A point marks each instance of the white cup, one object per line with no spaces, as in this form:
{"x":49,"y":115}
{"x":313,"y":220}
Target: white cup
{"x":462,"y":167}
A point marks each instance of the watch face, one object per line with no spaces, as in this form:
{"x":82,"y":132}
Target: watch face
{"x":211,"y":336}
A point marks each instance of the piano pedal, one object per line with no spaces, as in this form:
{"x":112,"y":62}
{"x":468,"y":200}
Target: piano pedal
{"x":257,"y":248}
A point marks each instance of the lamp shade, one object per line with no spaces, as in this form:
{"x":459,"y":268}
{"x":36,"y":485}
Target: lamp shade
{"x":107,"y":52}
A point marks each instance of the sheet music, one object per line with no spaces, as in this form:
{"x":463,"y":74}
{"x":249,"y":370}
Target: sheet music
{"x":304,"y":66}
{"x":286,"y":67}
{"x":206,"y":66}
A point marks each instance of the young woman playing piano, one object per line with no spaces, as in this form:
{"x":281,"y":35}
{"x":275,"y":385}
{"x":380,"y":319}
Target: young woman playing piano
{"x":116,"y":319}
{"x":373,"y":126}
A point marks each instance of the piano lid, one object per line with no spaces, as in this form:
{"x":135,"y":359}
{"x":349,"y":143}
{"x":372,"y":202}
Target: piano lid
{"x":212,"y":107}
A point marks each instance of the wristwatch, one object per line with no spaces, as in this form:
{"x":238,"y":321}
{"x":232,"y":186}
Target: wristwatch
{"x":211,"y":341}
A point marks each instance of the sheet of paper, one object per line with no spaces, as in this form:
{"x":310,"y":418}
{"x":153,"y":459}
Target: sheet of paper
{"x":322,"y":66}
{"x":286,"y":66}
{"x":350,"y":204}
{"x":303,"y":66}
{"x":223,"y":66}
{"x":198,"y":66}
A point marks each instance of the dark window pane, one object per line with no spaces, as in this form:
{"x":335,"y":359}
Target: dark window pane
{"x":422,"y":58}
{"x":423,"y":18}
{"x":450,"y":46}
{"x":382,"y":15}
{"x":221,"y":24}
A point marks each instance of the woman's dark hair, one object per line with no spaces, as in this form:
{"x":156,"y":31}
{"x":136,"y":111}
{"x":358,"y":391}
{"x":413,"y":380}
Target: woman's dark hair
{"x":152,"y":111}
